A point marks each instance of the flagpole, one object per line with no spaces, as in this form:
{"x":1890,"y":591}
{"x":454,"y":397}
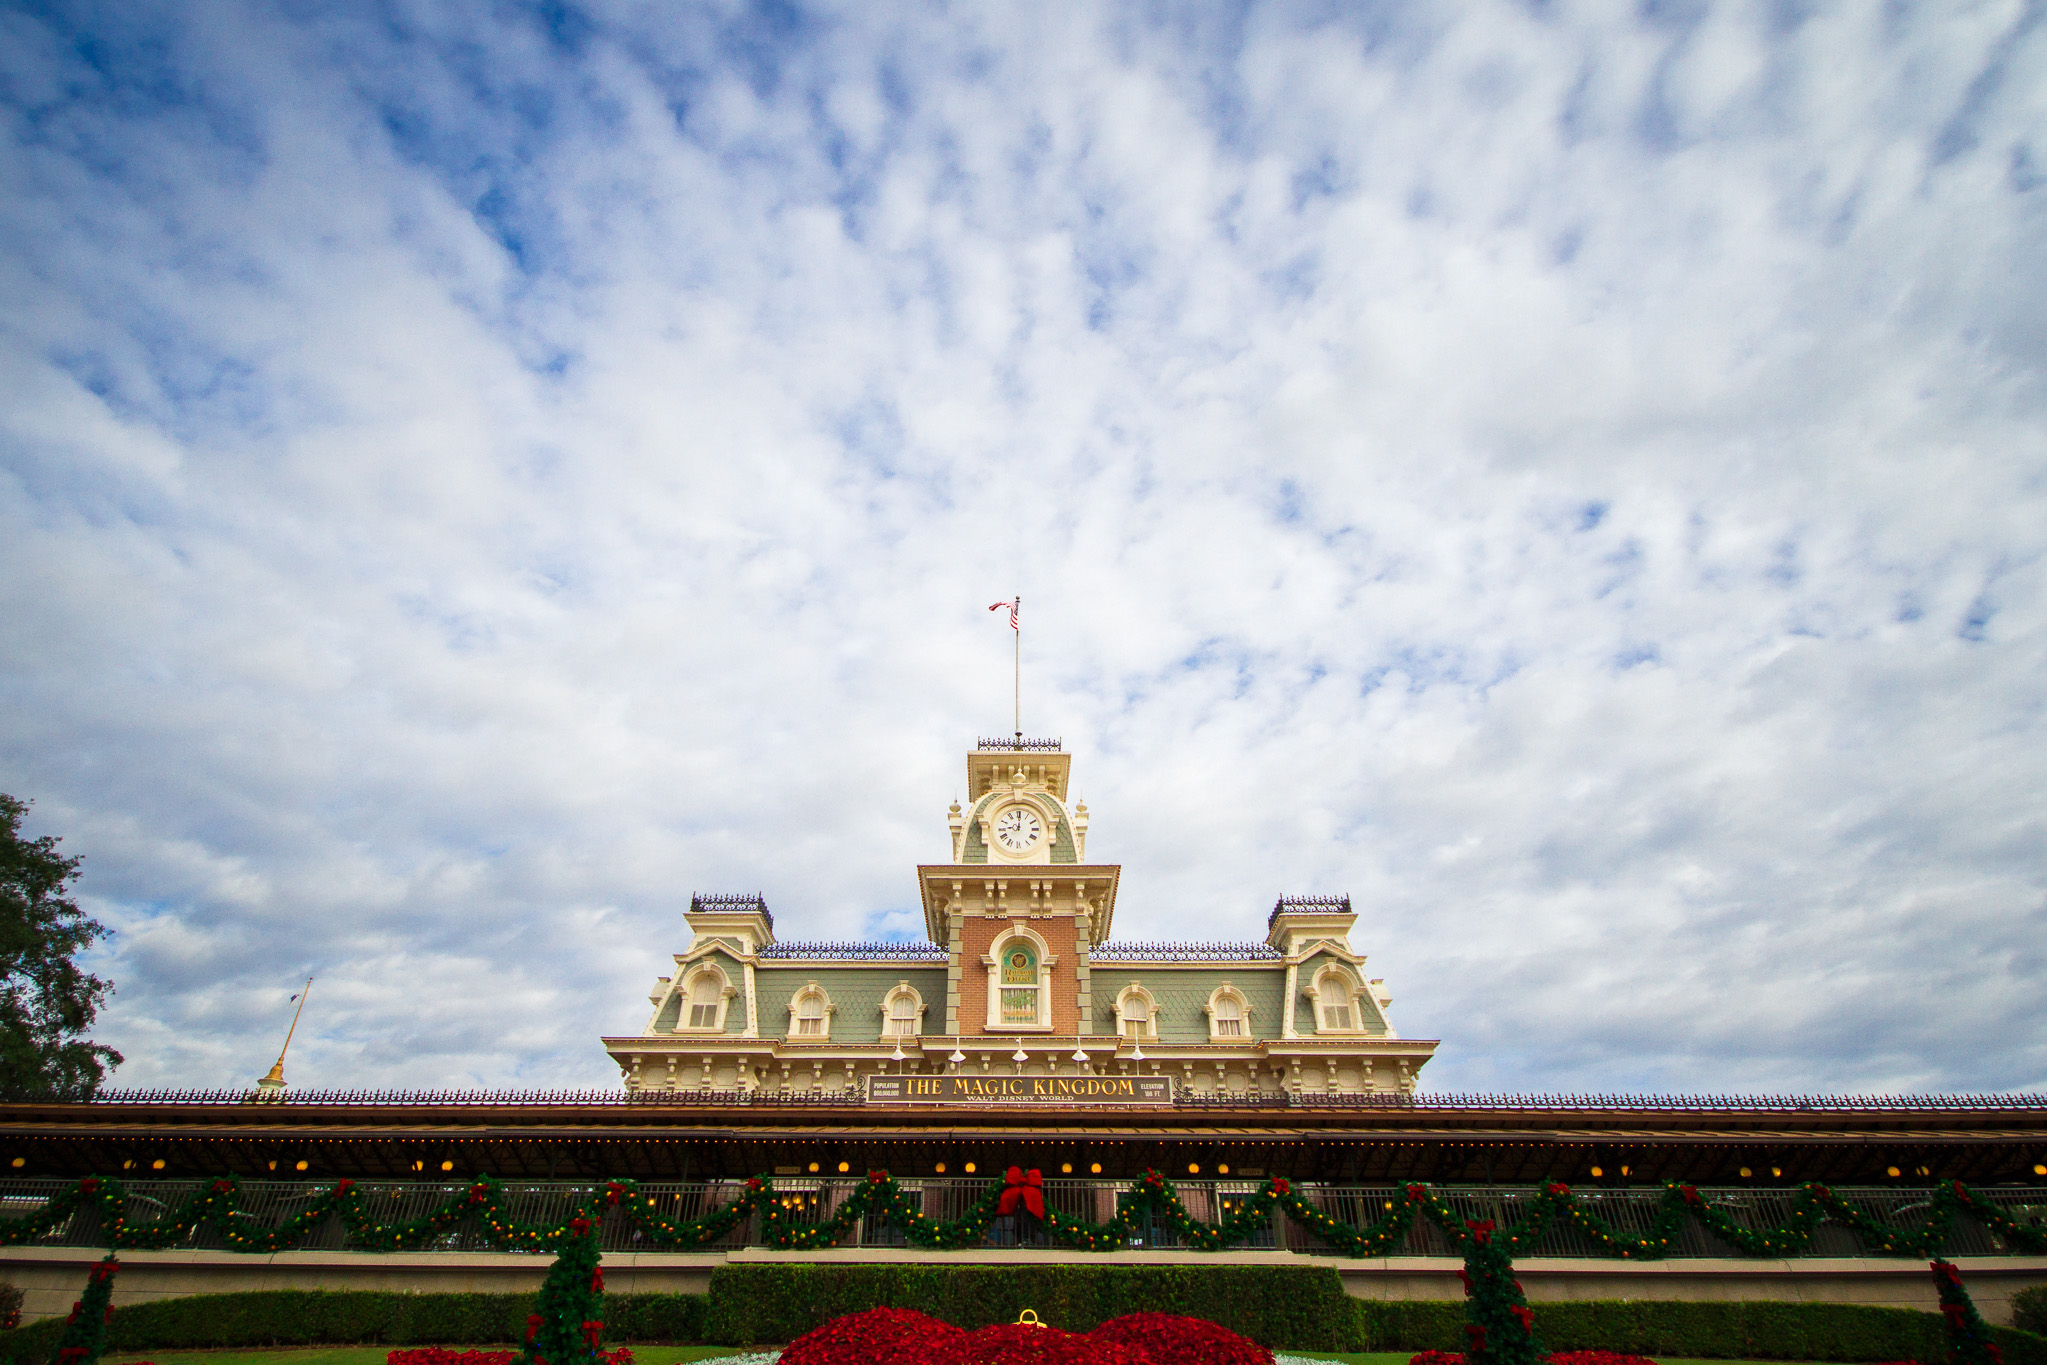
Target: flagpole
{"x":1017,"y":718}
{"x":273,"y":1084}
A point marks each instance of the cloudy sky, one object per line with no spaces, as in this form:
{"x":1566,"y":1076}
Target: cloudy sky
{"x":1572,"y":476}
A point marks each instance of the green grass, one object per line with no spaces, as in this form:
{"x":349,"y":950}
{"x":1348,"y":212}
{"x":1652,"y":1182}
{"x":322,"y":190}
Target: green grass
{"x":1402,"y":1357}
{"x":374,"y":1355}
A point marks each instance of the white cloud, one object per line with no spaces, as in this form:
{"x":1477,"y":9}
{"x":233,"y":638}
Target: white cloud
{"x":1572,"y":480}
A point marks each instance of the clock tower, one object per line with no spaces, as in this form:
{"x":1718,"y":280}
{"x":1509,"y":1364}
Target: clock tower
{"x":1018,"y":907}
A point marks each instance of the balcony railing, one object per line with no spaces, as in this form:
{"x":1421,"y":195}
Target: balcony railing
{"x":814,"y":1198}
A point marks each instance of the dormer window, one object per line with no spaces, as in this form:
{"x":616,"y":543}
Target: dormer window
{"x":1338,"y":1007}
{"x":705,"y":1000}
{"x":1228,"y":1014}
{"x":811,"y":1011}
{"x":902,"y":1013}
{"x":1136,"y":1014}
{"x":701,"y":1004}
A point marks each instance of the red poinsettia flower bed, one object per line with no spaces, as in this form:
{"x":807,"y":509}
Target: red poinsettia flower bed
{"x":901,"y":1336}
{"x":1015,"y":1343}
{"x":883,"y":1336}
{"x":1168,"y":1339}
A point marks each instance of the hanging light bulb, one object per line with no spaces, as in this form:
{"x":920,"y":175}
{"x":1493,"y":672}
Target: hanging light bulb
{"x":1137,"y":1053}
{"x":957,"y":1057}
{"x":1080,"y":1054}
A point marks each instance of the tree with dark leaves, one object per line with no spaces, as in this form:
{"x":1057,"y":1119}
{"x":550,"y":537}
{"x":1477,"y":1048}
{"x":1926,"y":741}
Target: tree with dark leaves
{"x":46,"y":1001}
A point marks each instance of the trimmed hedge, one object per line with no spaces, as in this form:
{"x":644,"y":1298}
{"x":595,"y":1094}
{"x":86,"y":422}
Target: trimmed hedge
{"x":306,"y":1317}
{"x":2029,"y":1309}
{"x":1732,"y":1330}
{"x":1287,"y":1307}
{"x":1291,"y":1307}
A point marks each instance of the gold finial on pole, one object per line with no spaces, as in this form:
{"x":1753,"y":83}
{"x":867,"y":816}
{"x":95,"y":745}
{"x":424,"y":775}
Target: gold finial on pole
{"x":271,"y":1087}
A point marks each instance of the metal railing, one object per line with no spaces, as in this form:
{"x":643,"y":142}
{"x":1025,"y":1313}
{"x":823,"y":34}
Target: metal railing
{"x":814,"y":1199}
{"x":1307,"y":905}
{"x":855,"y":951}
{"x":734,"y":902}
{"x":1132,"y":951}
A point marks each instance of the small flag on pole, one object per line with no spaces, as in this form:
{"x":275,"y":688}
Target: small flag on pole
{"x":1012,"y":612}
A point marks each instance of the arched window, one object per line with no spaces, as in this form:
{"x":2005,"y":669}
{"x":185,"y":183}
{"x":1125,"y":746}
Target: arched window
{"x":706,"y":1001}
{"x":812,"y":1013}
{"x":1229,"y":1017}
{"x":701,"y":997}
{"x":1135,"y":1012}
{"x":1336,"y":1005}
{"x":902,"y":1013}
{"x":1020,"y":985}
{"x":1019,"y":966}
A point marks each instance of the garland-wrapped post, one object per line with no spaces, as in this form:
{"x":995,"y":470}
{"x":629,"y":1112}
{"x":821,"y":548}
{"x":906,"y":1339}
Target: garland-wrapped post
{"x":85,"y":1333}
{"x":569,"y":1321}
{"x":1500,"y":1329}
{"x":1968,"y":1336}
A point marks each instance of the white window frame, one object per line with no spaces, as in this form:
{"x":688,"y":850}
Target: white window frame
{"x":992,"y":963}
{"x":1150,"y":1032}
{"x":686,"y":990}
{"x":902,"y":990}
{"x":809,"y":990}
{"x":1215,"y":998}
{"x":1346,"y":992}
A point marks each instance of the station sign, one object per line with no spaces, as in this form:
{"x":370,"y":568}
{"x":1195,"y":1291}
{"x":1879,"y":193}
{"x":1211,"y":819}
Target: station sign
{"x":1020,"y":1090}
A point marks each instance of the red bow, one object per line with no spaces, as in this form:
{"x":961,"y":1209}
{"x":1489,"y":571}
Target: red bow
{"x":1025,"y":1188}
{"x":1482,"y":1233}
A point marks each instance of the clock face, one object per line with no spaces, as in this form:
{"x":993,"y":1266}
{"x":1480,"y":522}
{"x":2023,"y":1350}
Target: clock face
{"x":1017,"y":828}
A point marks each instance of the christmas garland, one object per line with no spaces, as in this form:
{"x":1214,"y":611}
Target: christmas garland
{"x":85,"y":1331}
{"x":1153,"y":1199}
{"x":1968,"y":1336}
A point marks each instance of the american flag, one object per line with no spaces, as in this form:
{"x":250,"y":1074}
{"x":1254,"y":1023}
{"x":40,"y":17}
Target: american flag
{"x":1012,"y":611}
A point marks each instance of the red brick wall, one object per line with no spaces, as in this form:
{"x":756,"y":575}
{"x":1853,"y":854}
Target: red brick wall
{"x":975,"y":937}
